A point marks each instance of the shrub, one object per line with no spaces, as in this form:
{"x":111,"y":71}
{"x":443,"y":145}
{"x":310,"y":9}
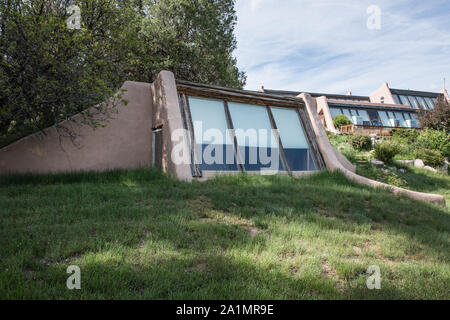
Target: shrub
{"x":340,"y":120}
{"x":385,"y":151}
{"x":330,"y":135}
{"x":405,"y":135}
{"x":435,"y":140}
{"x":433,"y":158}
{"x":360,"y":142}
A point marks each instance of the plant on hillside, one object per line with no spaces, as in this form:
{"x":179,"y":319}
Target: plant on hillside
{"x":405,"y":135}
{"x":340,"y":120}
{"x":385,"y":151}
{"x":434,"y":139}
{"x":360,"y":142}
{"x":433,"y":158}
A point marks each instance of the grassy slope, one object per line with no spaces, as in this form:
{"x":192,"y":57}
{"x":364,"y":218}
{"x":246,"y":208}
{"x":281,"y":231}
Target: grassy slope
{"x":140,"y":234}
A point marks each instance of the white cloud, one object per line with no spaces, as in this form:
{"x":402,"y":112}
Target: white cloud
{"x":325,"y":46}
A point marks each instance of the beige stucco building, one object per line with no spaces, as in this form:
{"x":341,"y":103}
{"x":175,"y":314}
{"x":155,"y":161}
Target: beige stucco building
{"x":195,"y":131}
{"x":382,"y":110}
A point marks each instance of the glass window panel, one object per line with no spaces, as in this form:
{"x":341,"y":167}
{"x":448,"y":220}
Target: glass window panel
{"x":364,"y":115}
{"x":293,"y":139}
{"x":396,"y":99}
{"x":335,"y":111}
{"x":413,"y":102}
{"x":429,"y":102}
{"x":384,"y":118}
{"x":353,"y":112}
{"x":434,"y":100}
{"x":399,"y":117}
{"x":407,"y":116}
{"x":404,"y":100}
{"x":257,"y":144}
{"x":414,"y":116}
{"x":215,"y":150}
{"x":347,"y":114}
{"x":422,"y":103}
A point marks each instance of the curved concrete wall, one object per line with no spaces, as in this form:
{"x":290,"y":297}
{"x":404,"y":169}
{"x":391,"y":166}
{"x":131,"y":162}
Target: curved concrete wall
{"x":332,"y":162}
{"x":125,"y":143}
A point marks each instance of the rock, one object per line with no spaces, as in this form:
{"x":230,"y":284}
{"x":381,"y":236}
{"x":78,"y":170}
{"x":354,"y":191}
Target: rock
{"x":376,"y":162}
{"x":401,"y":170}
{"x":418,"y":163}
{"x":393,"y":168}
{"x":430,"y":168}
{"x":385,"y":171}
{"x":445,"y":166}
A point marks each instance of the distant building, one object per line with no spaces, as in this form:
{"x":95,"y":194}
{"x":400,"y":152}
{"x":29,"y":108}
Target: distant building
{"x":384,"y":109}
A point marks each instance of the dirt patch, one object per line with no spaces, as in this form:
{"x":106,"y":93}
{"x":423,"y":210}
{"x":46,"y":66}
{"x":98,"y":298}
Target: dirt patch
{"x":330,"y":273}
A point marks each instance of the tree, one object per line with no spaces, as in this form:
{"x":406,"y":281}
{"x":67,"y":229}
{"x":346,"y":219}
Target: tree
{"x":49,"y":73}
{"x":437,"y":118}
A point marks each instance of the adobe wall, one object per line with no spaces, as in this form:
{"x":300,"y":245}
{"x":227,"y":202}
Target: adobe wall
{"x":167,"y":116}
{"x":125,"y":142}
{"x":383,"y":91}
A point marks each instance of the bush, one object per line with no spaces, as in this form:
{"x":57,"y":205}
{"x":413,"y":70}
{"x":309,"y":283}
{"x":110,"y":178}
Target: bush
{"x":405,"y":135}
{"x":340,"y":120}
{"x":330,"y":135}
{"x":435,"y":140}
{"x":386,"y":151}
{"x":433,"y":158}
{"x":360,"y":142}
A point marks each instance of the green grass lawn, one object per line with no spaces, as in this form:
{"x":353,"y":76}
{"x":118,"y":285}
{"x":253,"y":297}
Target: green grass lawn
{"x":140,"y":234}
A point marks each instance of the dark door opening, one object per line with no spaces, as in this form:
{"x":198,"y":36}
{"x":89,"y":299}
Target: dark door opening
{"x":157,"y":148}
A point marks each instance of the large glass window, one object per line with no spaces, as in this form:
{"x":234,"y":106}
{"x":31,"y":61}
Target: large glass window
{"x":396,"y":99}
{"x":413,"y":102}
{"x":422,"y":103}
{"x":257,"y":144}
{"x":335,"y":111}
{"x":404,"y":100}
{"x":401,"y":120}
{"x":348,"y":114}
{"x":429,"y":102}
{"x":293,"y":139}
{"x":215,"y":150}
{"x":384,"y":119}
{"x":365,"y":116}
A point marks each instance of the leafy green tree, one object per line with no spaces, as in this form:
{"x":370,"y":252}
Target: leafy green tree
{"x":49,"y":72}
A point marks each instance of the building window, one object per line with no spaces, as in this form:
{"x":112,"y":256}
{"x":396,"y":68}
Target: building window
{"x":429,"y":102}
{"x":335,"y":111}
{"x":382,"y":99}
{"x":413,"y":102}
{"x":258,"y":146}
{"x":293,"y":139}
{"x":214,"y":144}
{"x":404,"y":100}
{"x":384,"y":119}
{"x":396,"y":99}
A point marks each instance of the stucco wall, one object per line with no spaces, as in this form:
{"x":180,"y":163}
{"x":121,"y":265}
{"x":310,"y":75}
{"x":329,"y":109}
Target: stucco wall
{"x":126,"y":142}
{"x":167,"y":115}
{"x":383,"y":91}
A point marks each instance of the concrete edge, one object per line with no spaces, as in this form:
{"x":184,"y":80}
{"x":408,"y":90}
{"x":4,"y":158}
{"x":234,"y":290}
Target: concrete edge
{"x":332,"y":161}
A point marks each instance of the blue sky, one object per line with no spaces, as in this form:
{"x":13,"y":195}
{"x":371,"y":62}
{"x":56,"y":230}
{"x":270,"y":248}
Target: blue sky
{"x":326,"y":46}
